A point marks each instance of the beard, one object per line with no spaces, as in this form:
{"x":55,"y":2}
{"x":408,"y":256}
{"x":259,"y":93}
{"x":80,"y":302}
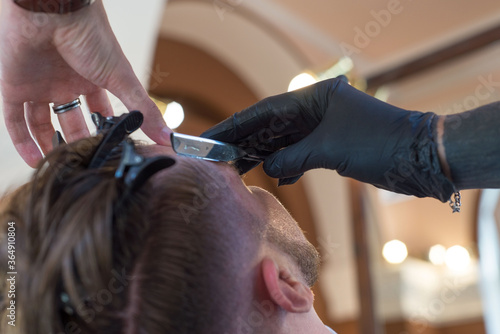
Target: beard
{"x":301,"y":251}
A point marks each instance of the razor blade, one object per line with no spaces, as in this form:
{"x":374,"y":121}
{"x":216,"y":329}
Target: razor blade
{"x":208,"y":149}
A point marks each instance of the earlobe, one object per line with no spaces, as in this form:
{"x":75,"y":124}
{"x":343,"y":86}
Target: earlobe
{"x":284,"y":289}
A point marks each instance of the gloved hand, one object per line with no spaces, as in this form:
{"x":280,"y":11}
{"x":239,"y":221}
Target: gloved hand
{"x":333,"y":125}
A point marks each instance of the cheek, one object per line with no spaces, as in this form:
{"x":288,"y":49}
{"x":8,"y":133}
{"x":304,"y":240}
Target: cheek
{"x":281,"y":221}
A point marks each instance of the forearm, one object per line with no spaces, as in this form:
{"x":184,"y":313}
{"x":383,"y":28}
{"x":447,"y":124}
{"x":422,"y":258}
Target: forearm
{"x":469,"y":147}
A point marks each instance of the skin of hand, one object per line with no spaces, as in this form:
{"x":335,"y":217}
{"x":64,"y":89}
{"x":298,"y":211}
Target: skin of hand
{"x":53,"y":58}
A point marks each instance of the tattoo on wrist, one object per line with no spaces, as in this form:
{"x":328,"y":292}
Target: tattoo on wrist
{"x":53,"y":6}
{"x":441,"y":149}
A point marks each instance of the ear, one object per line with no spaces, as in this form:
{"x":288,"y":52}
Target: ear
{"x":285,"y":290}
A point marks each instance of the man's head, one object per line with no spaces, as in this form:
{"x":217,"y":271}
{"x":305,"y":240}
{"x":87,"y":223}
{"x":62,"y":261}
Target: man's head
{"x":193,"y":251}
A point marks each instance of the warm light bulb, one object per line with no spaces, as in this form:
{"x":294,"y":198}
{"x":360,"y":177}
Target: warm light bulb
{"x":457,"y":258}
{"x":300,"y":81}
{"x":437,"y":255}
{"x":395,"y":251}
{"x":174,"y":115}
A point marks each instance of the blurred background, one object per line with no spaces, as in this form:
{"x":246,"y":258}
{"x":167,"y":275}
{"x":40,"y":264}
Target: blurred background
{"x":391,"y":263}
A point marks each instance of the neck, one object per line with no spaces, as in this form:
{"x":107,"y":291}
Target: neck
{"x":304,"y":323}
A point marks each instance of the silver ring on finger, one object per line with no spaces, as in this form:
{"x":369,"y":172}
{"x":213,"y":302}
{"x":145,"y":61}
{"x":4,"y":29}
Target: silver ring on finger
{"x":62,"y":108}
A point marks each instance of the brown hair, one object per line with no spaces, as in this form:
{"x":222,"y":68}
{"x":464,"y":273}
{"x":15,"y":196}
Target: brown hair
{"x":85,"y":264}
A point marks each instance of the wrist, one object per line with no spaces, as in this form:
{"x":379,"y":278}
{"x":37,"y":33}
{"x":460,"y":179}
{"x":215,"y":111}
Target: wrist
{"x":418,"y":164}
{"x":53,"y":6}
{"x":440,"y":147}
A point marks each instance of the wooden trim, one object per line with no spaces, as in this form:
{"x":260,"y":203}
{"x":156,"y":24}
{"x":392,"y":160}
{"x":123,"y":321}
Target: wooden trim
{"x":405,"y":326}
{"x":369,"y":322}
{"x":435,"y":58}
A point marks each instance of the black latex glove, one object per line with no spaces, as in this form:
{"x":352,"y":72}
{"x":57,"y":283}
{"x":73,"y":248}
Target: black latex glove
{"x":333,"y":125}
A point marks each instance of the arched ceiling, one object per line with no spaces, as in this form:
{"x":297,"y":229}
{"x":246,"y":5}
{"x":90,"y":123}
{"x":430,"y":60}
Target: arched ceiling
{"x":269,"y":41}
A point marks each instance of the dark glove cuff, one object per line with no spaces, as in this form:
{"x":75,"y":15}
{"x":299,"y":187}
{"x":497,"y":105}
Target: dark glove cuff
{"x":416,"y":169}
{"x":53,"y":6}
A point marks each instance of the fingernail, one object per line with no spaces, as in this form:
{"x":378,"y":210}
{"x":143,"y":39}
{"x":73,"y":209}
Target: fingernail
{"x":165,"y":136}
{"x":288,"y":180}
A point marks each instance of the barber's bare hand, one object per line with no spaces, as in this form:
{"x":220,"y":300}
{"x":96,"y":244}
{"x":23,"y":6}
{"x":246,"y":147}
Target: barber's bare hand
{"x":55,"y":58}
